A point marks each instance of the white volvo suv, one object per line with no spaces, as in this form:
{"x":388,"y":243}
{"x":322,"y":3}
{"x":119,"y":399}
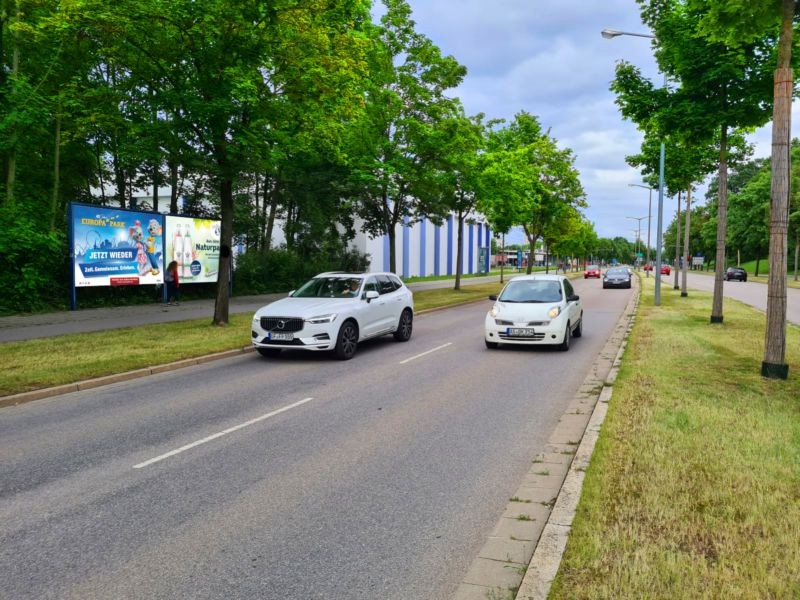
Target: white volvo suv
{"x":335,"y":311}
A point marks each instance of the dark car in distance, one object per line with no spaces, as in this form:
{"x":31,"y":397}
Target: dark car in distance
{"x":735,"y":274}
{"x":617,"y":277}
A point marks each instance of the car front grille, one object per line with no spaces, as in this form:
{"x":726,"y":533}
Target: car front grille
{"x":283,"y":324}
{"x":536,"y":337}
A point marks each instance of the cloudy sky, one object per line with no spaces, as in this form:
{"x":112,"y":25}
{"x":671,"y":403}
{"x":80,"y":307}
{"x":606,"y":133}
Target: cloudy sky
{"x":547,"y":57}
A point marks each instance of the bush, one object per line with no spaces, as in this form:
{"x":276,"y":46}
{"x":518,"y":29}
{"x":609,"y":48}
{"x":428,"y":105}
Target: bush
{"x":34,"y":271}
{"x":281,"y":270}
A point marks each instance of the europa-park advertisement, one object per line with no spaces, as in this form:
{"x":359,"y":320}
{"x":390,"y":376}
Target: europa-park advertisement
{"x":123,"y":247}
{"x":116,"y":247}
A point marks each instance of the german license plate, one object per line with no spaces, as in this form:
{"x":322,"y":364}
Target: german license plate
{"x":281,"y":337}
{"x":520,"y":331}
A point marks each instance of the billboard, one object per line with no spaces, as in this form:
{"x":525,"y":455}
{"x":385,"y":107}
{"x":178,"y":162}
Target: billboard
{"x":111,"y":246}
{"x":194,"y":245}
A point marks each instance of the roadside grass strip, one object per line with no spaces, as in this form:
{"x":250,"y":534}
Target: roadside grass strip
{"x":47,"y":362}
{"x":693,"y":490}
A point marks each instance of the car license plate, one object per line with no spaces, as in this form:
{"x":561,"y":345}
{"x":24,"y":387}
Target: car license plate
{"x":520,"y":331}
{"x":281,"y":337}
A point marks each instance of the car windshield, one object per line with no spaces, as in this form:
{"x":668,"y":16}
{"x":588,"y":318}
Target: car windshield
{"x":330,"y":287}
{"x":531,"y":291}
{"x":618,"y":271}
{"x":592,"y":268}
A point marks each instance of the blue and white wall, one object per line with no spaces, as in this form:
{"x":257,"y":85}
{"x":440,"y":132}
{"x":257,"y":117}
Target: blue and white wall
{"x":423,"y":248}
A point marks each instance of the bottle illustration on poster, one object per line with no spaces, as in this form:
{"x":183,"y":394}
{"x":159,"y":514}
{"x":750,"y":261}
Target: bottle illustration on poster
{"x":194,"y":244}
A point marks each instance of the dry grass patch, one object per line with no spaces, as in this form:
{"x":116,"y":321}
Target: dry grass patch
{"x":693,"y":489}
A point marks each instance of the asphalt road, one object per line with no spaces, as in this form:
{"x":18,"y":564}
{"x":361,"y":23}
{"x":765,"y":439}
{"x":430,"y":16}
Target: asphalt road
{"x":295,"y":478}
{"x":750,"y":292}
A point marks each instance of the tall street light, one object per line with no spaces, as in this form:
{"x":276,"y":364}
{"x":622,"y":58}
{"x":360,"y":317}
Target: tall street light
{"x":609,"y":34}
{"x":638,"y":233}
{"x":649,"y":212}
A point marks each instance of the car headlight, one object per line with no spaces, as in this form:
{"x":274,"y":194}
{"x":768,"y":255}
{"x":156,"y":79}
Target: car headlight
{"x":322,"y":319}
{"x":493,"y":313}
{"x":554,"y":312}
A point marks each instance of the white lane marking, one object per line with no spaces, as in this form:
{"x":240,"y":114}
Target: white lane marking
{"x":221,"y":433}
{"x":402,"y":362}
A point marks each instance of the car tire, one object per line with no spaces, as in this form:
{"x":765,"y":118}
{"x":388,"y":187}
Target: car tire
{"x":346,"y":341}
{"x":491,"y":345}
{"x":605,"y":286}
{"x":578,"y":331}
{"x":268,"y":352}
{"x":405,"y":326}
{"x":564,"y":346}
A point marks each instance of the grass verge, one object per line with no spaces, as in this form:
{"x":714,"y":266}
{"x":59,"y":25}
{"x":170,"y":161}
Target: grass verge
{"x":693,"y":488}
{"x":46,"y":362}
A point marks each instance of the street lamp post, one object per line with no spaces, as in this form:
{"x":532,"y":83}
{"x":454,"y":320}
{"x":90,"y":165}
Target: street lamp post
{"x":649,"y":212}
{"x":638,"y":234}
{"x":609,"y":34}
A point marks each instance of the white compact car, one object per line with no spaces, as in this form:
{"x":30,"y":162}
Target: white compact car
{"x":535,"y":310}
{"x":335,"y":311}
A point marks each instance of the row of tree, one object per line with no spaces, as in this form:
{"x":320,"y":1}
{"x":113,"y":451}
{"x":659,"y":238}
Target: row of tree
{"x":727,"y":70}
{"x":303,"y":113}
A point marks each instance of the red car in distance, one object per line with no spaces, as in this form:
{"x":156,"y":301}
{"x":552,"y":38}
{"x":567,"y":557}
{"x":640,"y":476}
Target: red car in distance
{"x":665,"y":269}
{"x":591,"y":271}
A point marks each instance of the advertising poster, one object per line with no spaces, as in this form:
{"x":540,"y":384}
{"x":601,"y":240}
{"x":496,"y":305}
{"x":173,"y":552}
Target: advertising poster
{"x":112,"y":246}
{"x":194,"y":245}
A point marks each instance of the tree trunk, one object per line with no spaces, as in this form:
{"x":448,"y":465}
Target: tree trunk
{"x":273,"y":210}
{"x":675,"y":285}
{"x":155,"y":188}
{"x":392,"y":258}
{"x":796,"y":254}
{"x":173,"y":185}
{"x":459,"y":250}
{"x":222,"y":304}
{"x":722,"y":226}
{"x":11,"y":161}
{"x":119,"y":176}
{"x":686,"y":231}
{"x":758,"y":261}
{"x":774,"y":365}
{"x":54,"y":205}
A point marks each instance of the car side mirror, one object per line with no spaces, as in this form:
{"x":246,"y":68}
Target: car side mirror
{"x":292,"y":292}
{"x":573,"y":298}
{"x":371,"y":295}
{"x":493,"y":297}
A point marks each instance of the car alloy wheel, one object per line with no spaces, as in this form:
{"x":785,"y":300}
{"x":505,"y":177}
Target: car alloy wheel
{"x":347,"y":341}
{"x":404,"y":327}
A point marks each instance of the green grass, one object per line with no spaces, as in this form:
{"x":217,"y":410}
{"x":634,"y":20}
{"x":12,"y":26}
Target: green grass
{"x":46,"y":362}
{"x":693,"y":488}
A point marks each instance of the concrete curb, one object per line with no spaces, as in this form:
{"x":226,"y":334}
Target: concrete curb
{"x":546,"y":559}
{"x":524,"y":551}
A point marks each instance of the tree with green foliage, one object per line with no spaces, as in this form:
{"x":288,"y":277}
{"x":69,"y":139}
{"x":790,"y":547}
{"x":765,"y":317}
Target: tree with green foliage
{"x":406,"y":102}
{"x":764,"y":20}
{"x":529,"y":180}
{"x":719,"y":87}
